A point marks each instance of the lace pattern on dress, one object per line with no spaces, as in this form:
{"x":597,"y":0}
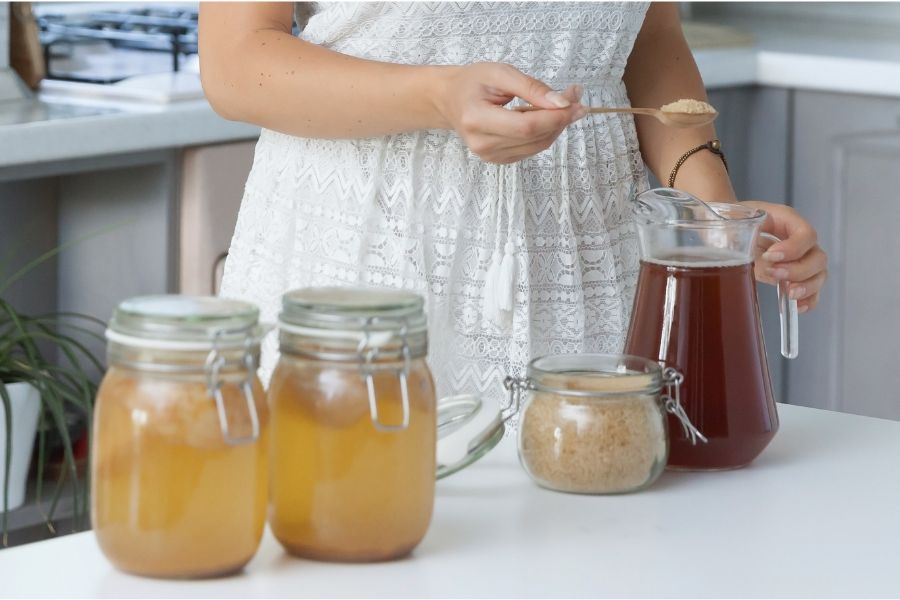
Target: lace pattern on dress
{"x":419,"y":210}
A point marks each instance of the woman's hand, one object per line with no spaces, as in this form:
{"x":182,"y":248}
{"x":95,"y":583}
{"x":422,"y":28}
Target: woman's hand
{"x":472,"y":101}
{"x":797,"y":258}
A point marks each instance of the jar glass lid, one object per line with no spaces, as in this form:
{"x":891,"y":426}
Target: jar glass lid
{"x":353,"y":309}
{"x":184,"y":320}
{"x":468,"y":428}
{"x":598,"y":374}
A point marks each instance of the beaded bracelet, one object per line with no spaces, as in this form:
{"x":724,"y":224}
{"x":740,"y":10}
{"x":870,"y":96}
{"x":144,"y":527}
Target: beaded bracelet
{"x":713,"y":146}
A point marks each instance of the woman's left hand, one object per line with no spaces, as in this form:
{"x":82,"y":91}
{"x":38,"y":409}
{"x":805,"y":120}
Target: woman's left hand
{"x":797,"y":258}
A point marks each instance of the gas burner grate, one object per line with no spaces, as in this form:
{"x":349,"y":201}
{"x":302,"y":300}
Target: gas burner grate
{"x":162,"y":30}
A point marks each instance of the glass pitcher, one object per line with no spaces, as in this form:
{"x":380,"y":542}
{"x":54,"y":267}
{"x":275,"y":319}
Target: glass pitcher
{"x":696,"y":311}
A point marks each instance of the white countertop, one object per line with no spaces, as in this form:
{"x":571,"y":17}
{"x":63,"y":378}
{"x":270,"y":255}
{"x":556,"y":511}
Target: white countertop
{"x":785,"y":53}
{"x":37,"y":131}
{"x":815,"y":516}
{"x":793,"y":53}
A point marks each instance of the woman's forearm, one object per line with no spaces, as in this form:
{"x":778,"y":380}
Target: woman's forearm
{"x":661,"y":69}
{"x":254,"y":70}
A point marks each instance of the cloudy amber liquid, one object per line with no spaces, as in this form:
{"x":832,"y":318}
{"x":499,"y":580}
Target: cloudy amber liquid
{"x":169,"y":497}
{"x":340,"y":489}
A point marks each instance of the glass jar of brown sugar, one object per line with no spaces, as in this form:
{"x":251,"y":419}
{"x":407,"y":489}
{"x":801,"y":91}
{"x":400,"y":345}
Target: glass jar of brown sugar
{"x":594,"y":423}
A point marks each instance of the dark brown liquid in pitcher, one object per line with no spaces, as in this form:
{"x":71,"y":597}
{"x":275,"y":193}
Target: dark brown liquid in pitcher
{"x":713,"y":336}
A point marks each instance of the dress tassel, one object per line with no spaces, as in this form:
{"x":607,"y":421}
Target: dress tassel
{"x":506,"y":281}
{"x":489,"y":302}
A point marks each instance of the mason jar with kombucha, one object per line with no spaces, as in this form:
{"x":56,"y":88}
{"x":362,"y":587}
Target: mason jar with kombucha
{"x":179,"y":477}
{"x":353,"y":425}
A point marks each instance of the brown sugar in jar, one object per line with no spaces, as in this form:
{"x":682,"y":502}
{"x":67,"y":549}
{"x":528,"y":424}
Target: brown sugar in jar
{"x":593,"y":423}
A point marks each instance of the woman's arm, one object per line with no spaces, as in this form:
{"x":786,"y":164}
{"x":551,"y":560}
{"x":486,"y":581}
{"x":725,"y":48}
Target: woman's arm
{"x":661,"y":69}
{"x":254,"y":70}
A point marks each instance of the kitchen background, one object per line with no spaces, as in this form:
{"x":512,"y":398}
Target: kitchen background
{"x":117,"y":137}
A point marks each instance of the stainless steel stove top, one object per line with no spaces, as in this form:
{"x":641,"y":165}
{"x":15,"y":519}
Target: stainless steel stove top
{"x":106,"y":46}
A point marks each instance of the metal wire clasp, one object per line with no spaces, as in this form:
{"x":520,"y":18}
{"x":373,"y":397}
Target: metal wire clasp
{"x":368,"y":356}
{"x":215,"y":361}
{"x":517,"y":386}
{"x":673,"y":379}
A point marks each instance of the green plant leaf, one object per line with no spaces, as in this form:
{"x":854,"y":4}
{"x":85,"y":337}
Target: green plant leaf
{"x":64,"y":386}
{"x":56,"y":414}
{"x":67,"y":321}
{"x":34,"y":263}
{"x":60,"y":385}
{"x":57,"y":395}
{"x":54,"y":502}
{"x":25,"y":341}
{"x":64,"y":343}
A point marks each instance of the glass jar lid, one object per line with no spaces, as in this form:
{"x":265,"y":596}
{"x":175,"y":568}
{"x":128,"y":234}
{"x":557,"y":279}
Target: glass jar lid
{"x":595,"y":374}
{"x":184,"y":322}
{"x":603,"y":376}
{"x":353,"y":308}
{"x":468,"y":428}
{"x":165,"y":333}
{"x":354,"y":319}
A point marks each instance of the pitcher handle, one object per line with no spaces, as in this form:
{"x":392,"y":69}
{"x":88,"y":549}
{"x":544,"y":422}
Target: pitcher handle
{"x":787,"y":313}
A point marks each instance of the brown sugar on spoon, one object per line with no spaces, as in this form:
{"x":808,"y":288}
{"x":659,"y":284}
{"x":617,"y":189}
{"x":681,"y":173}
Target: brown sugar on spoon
{"x":689,"y":106}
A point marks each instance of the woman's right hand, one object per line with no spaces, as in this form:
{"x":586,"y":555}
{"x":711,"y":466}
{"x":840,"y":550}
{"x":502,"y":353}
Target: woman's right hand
{"x":472,"y":103}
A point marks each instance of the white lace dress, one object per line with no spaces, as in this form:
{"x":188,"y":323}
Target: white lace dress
{"x":419,"y":211}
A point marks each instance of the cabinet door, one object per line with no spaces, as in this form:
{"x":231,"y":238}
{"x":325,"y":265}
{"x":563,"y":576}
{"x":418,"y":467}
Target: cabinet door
{"x":28,"y":216}
{"x":120,"y":229}
{"x":867,"y":282}
{"x":846,"y":222}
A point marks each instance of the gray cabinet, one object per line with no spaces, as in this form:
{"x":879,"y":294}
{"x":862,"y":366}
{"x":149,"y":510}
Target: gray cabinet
{"x":129,"y":225}
{"x":753,"y":125}
{"x":120,"y":227}
{"x":836,"y":159}
{"x":866,"y":253}
{"x":847,"y":187}
{"x":753,"y":128}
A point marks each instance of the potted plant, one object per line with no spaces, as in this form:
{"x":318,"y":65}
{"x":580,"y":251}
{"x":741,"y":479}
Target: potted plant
{"x":44,"y":378}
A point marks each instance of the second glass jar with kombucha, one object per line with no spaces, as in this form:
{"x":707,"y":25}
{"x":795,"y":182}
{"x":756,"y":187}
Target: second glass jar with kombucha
{"x":353,"y":425}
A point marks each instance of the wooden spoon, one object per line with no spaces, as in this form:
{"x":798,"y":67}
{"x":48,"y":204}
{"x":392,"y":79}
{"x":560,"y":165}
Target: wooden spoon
{"x":668,"y":118}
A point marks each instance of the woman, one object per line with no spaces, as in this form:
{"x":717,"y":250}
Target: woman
{"x":388,"y":159}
